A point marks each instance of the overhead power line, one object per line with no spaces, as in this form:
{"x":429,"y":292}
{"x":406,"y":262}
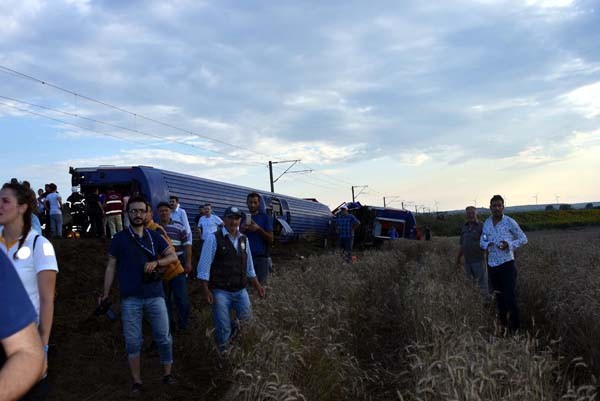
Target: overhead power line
{"x":122,"y":110}
{"x":334,"y":180}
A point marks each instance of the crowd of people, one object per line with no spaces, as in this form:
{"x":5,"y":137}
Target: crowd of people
{"x":152,"y":262}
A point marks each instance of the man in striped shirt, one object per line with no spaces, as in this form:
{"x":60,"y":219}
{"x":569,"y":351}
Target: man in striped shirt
{"x":176,"y":288}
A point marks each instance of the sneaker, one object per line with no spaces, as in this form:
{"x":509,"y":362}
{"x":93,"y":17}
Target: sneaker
{"x":169,"y":379}
{"x":136,"y":388}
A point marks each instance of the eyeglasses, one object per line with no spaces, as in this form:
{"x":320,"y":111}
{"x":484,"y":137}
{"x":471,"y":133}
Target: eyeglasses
{"x":137,"y":211}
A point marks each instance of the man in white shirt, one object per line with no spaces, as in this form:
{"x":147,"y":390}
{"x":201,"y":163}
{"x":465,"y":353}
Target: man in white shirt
{"x":208,"y":223}
{"x":501,"y":236}
{"x":179,"y":214}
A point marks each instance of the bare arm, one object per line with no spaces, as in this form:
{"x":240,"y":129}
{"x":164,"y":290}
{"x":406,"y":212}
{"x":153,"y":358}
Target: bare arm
{"x":169,"y":256}
{"x":24,"y":363}
{"x":109,"y":276}
{"x":46,"y":284}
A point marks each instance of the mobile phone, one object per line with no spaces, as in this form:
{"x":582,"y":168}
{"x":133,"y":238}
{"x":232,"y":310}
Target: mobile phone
{"x":248,"y":219}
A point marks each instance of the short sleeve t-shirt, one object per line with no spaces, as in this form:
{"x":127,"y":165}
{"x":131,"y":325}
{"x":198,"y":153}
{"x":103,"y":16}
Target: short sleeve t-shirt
{"x":31,"y":260}
{"x":469,"y":241}
{"x":209,"y":225}
{"x":132,"y":254}
{"x":53,"y":200}
{"x":257,"y":244}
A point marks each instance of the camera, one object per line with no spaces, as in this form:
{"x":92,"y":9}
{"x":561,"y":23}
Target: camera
{"x":105,"y":309}
{"x":152,"y":276}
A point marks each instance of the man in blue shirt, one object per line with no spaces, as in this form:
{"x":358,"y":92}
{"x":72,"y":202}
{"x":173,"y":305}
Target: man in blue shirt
{"x":225,"y":267}
{"x":21,"y":355}
{"x":346,"y":224}
{"x":260,"y":236}
{"x":136,"y":255}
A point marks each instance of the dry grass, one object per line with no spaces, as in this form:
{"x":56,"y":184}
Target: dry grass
{"x":404,"y":324}
{"x":400,"y":324}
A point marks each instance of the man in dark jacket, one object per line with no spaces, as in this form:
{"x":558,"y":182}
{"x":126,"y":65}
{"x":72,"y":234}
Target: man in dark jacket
{"x":225,"y":267}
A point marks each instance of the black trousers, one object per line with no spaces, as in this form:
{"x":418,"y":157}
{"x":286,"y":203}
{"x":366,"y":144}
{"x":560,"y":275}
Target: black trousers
{"x":504,"y":281}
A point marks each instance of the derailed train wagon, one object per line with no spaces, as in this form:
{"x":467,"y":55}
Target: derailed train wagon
{"x":293,"y":217}
{"x":376,"y":222}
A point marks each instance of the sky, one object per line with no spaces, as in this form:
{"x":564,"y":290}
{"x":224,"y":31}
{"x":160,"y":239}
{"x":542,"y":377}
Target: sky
{"x":432,"y":105}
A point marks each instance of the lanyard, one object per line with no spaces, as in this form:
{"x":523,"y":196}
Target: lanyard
{"x":140,"y":241}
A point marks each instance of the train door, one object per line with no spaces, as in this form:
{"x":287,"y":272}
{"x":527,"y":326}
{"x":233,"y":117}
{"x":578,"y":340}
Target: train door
{"x":281,"y":217}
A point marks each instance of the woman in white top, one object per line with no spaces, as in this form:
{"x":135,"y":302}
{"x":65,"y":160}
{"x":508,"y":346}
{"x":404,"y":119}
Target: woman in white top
{"x":32,"y":255}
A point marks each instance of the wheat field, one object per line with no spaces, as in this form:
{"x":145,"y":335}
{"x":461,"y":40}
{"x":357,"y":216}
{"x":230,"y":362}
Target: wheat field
{"x":403,"y":323}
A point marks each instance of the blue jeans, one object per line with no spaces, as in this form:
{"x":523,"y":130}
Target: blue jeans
{"x":133,"y":310}
{"x":223,"y":302}
{"x":176,"y":291}
{"x":477,"y":272}
{"x":56,"y":225}
{"x":262,"y":267}
{"x":346,"y":245}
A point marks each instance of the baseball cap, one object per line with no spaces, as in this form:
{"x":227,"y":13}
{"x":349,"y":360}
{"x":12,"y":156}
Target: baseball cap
{"x":232,"y":211}
{"x":344,"y":207}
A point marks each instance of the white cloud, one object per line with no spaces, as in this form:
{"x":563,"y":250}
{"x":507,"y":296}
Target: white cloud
{"x":584,"y":100}
{"x":550,"y":3}
{"x":16,"y":14}
{"x":505,"y":104}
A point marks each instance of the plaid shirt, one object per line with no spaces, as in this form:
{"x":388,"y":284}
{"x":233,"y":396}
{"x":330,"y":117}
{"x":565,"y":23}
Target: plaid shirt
{"x":345,"y":223}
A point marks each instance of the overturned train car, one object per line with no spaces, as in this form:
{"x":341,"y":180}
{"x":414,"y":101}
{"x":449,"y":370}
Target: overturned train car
{"x":293,"y":217}
{"x":376,"y":222}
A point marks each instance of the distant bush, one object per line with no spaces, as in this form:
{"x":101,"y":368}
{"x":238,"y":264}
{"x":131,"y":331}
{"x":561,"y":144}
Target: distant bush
{"x":589,"y":206}
{"x":549,"y":208}
{"x":535,"y":220}
{"x":565,"y":206}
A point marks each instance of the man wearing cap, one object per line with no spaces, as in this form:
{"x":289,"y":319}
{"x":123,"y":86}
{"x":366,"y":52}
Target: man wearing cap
{"x":346,"y":224}
{"x":225,"y":267}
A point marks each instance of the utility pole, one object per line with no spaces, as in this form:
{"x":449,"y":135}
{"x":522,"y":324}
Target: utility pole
{"x":273,"y":181}
{"x":271,"y":175}
{"x":362,"y":188}
{"x":389,"y":199}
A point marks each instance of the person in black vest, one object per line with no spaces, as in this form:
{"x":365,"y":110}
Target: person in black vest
{"x":225,"y":267}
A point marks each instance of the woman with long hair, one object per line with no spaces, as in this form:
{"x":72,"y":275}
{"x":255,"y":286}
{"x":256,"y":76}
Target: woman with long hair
{"x":34,"y":260}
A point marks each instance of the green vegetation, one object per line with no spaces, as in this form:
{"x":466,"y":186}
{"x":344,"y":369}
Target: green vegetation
{"x":529,"y":221}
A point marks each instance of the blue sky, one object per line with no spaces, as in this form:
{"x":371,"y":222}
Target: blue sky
{"x":438,"y":105}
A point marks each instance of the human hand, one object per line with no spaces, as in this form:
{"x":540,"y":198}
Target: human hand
{"x":207,"y":296}
{"x":503,"y":245}
{"x":187,"y":268}
{"x":149,"y":267}
{"x":252,"y":227}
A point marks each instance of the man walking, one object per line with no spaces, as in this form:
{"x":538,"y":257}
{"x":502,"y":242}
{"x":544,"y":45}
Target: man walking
{"x":474,"y":266}
{"x":225,"y":267}
{"x":501,"y":236}
{"x":260,"y":237}
{"x":346,"y":224}
{"x":137,"y":255}
{"x":176,"y":287}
